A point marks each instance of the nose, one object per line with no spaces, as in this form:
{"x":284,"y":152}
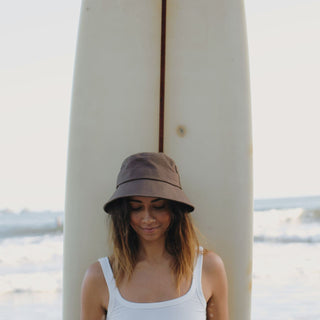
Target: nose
{"x":147,"y":216}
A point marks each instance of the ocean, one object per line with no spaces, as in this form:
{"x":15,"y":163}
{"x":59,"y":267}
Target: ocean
{"x":286,"y":262}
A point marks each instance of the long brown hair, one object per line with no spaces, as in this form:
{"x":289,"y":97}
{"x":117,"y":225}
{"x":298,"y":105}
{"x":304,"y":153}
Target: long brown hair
{"x":181,"y":241}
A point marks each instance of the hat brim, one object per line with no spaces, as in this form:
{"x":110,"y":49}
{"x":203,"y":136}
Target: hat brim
{"x":150,"y":188}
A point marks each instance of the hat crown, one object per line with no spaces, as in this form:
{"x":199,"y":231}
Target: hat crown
{"x":150,"y":166}
{"x":149,"y":174}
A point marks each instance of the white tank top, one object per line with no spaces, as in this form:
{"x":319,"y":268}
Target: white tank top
{"x":191,"y":306}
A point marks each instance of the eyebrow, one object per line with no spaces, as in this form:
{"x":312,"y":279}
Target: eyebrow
{"x":155,"y":200}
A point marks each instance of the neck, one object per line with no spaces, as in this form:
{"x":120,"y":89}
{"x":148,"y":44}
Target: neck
{"x":153,"y":252}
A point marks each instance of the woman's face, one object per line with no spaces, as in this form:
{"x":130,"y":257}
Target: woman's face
{"x":149,"y":217}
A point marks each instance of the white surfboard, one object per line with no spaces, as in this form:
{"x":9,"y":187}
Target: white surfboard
{"x":207,"y":130}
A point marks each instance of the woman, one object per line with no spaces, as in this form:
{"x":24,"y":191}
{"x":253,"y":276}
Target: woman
{"x":157,"y":270}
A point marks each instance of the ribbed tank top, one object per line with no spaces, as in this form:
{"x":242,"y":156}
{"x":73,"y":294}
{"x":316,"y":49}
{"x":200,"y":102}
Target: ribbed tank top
{"x":191,"y":306}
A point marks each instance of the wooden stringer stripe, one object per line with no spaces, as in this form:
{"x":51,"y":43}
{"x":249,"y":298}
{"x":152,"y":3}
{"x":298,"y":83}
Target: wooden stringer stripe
{"x":162,"y":73}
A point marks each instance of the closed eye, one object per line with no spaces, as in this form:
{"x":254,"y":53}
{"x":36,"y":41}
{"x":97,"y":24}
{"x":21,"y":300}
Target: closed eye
{"x":159,"y":207}
{"x":135,"y":208}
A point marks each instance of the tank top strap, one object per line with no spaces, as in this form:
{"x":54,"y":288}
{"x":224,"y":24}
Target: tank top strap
{"x":198,"y":277}
{"x":110,"y":280}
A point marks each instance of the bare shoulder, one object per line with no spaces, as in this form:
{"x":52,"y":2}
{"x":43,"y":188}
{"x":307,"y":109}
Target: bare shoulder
{"x":214,"y":278}
{"x":94,"y":273}
{"x":212,"y":263}
{"x":94,"y":293}
{"x":93,"y":278}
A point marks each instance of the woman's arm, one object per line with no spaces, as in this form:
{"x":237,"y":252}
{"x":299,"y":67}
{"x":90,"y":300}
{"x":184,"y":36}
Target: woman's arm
{"x":215,"y":287}
{"x":94,"y":294}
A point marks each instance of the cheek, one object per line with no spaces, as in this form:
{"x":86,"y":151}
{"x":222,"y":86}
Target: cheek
{"x":133,"y":220}
{"x":166,"y":219}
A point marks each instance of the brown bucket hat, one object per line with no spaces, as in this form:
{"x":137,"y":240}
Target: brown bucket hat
{"x":149,"y":174}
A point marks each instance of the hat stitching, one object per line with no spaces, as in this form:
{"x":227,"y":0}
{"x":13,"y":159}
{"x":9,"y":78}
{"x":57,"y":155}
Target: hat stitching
{"x":174,"y":185}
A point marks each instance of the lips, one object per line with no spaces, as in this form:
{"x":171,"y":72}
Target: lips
{"x":149,"y":230}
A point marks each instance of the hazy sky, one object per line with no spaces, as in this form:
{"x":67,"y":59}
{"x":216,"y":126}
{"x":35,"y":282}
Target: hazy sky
{"x":38,"y":40}
{"x":284,"y":46}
